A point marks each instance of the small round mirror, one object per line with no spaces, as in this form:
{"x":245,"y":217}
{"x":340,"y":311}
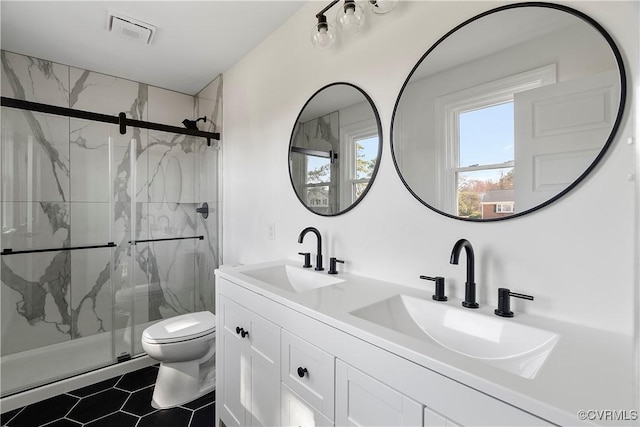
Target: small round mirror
{"x":335,"y":149}
{"x":508,"y":111}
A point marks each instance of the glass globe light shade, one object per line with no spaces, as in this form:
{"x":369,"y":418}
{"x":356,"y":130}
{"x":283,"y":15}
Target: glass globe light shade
{"x":351,"y":19}
{"x":382,"y":6}
{"x":322,"y":35}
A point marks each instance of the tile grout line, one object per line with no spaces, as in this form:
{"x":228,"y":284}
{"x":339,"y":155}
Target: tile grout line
{"x":16,"y":414}
{"x":193,"y":414}
{"x":99,"y":391}
{"x":95,"y":419}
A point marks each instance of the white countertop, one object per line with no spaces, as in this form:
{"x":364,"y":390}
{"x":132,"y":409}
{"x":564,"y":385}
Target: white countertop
{"x":588,"y":369}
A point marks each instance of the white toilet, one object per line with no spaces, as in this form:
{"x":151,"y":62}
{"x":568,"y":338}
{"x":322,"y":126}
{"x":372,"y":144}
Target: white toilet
{"x":185,"y":347}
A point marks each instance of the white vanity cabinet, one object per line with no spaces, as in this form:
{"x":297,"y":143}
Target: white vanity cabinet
{"x":298,"y":370}
{"x":248,"y":386}
{"x":363,"y":401}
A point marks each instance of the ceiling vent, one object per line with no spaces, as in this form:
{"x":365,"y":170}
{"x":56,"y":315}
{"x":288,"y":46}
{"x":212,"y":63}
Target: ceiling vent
{"x":130,"y":28}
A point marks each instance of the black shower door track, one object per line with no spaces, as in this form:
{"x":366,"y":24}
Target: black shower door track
{"x":121,"y":119}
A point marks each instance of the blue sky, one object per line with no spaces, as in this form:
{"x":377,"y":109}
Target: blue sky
{"x":486,"y":135}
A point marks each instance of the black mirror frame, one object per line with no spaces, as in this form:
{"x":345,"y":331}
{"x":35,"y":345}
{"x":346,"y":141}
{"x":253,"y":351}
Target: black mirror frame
{"x":594,"y":163}
{"x":378,"y":155}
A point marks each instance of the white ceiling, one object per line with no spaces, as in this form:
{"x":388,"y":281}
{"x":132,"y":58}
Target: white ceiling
{"x":195,"y":40}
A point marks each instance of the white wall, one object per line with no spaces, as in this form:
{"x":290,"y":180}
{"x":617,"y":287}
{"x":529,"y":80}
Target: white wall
{"x":576,"y":256}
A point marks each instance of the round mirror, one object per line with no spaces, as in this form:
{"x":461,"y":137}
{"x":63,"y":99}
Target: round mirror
{"x":508,"y":111}
{"x":335,"y":149}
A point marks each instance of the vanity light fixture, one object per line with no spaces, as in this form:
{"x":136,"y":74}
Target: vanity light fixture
{"x":382,"y":6}
{"x":350,"y":20}
{"x":323,"y":36}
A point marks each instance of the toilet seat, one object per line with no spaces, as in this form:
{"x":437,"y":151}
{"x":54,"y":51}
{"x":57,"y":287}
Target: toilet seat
{"x":181,"y":328}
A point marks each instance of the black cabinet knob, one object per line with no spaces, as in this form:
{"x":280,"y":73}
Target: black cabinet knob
{"x":302,"y":371}
{"x":240,"y":331}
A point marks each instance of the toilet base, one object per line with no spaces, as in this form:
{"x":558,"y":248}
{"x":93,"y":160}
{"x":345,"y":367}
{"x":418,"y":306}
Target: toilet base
{"x":182,"y":382}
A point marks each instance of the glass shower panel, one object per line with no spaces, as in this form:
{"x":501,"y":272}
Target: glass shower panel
{"x":127,"y":150}
{"x":165,"y":259}
{"x":52,"y":298}
{"x":208,"y":259}
{"x":129,"y":193}
{"x":34,"y":214}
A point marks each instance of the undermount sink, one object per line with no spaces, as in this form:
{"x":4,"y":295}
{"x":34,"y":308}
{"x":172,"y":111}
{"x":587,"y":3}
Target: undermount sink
{"x":502,"y":343}
{"x":294,"y":279}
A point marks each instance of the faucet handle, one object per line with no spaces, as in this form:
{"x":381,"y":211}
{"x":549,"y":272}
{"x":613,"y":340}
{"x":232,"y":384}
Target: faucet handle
{"x":307,"y":259}
{"x":439,"y":295}
{"x":504,"y":303}
{"x":332,"y":265}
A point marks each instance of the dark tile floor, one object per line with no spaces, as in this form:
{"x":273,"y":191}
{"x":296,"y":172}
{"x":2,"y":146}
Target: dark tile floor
{"x":123,"y":401}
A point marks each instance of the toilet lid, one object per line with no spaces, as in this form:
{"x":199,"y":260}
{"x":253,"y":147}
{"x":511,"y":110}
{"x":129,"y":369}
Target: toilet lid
{"x":181,"y":328}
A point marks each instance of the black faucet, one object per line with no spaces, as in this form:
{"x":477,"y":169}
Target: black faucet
{"x":470,"y":285}
{"x":504,"y":304}
{"x":319,"y":238}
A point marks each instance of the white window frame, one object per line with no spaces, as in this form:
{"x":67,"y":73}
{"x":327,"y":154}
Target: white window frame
{"x":448,"y":109}
{"x":500,"y":207}
{"x":349,"y":135}
{"x":306,"y":187}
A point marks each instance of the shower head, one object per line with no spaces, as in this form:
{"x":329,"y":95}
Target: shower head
{"x":191,"y":124}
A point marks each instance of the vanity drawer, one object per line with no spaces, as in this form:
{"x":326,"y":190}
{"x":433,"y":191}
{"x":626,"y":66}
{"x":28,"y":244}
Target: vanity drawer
{"x":309,"y":372}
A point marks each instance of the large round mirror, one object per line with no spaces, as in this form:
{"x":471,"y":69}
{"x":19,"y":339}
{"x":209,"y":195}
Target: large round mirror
{"x":335,"y":149}
{"x":508,"y":111}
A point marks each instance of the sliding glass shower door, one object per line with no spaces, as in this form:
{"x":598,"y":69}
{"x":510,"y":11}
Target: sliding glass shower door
{"x":100,"y":238}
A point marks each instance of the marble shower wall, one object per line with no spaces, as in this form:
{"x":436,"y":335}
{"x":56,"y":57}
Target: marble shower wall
{"x":68,"y":182}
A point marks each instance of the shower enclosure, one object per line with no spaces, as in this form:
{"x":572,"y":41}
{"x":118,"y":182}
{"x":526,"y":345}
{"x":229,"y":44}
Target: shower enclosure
{"x":103,"y":234}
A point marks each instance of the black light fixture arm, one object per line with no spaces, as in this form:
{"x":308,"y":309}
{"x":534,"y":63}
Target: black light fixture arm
{"x":326,"y":8}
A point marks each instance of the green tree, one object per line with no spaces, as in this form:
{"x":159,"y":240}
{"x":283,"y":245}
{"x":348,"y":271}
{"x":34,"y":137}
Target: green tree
{"x":364,"y":167}
{"x":469,"y":204}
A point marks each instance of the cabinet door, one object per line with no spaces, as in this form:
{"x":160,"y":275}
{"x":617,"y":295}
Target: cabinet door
{"x":232,"y":385}
{"x":249,"y":379}
{"x":296,"y":412}
{"x":364,"y":401}
{"x":263,"y":357}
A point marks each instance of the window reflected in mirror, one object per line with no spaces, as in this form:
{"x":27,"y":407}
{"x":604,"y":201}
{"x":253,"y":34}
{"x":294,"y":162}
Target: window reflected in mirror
{"x":485,"y":143}
{"x":335,"y":149}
